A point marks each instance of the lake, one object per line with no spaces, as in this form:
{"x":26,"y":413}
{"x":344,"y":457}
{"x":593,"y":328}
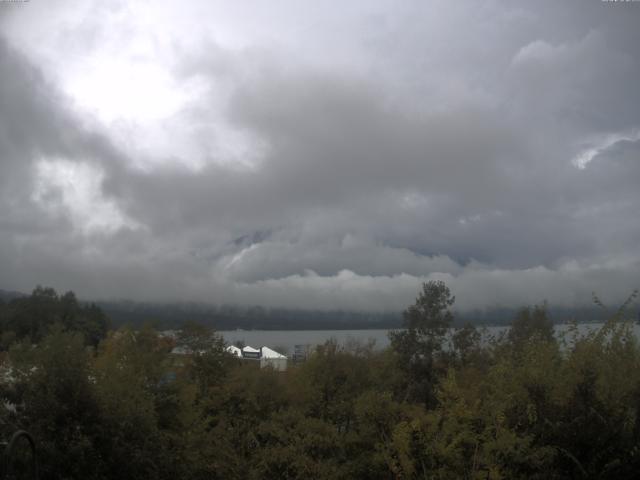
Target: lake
{"x":287,"y":339}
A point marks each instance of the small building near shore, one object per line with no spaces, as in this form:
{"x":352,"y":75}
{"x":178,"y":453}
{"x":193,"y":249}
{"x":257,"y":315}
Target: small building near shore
{"x":266,"y":356}
{"x":272,"y":359}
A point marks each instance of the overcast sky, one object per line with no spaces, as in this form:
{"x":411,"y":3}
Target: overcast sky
{"x":321,"y":154}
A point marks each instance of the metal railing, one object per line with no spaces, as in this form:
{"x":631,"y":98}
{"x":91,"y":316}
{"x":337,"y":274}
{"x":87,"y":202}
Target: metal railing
{"x":9,"y":452}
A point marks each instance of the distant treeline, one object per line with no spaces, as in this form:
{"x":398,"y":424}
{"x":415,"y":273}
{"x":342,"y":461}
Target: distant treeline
{"x":230,"y":317}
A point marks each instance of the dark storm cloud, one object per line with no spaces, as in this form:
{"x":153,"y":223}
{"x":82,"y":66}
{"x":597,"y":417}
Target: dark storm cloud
{"x":502,"y":158}
{"x":328,"y":144}
{"x":36,"y":236}
{"x":30,"y":126}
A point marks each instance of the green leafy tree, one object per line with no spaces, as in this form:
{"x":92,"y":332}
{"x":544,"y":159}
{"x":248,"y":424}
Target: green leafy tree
{"x":334,"y":380}
{"x":466,"y":342}
{"x":207,"y":361}
{"x":130,"y":374}
{"x":419,"y":345}
{"x":531,"y":324}
{"x":57,"y":404}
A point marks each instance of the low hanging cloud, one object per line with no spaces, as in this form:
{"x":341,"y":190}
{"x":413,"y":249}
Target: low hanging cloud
{"x":240,"y":161}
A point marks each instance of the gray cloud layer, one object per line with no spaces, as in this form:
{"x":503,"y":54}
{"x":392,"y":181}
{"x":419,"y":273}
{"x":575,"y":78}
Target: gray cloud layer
{"x":323,"y":159}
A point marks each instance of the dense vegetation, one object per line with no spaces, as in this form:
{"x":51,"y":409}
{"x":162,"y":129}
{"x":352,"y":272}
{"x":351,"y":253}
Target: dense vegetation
{"x":525,"y":405}
{"x":30,"y":318}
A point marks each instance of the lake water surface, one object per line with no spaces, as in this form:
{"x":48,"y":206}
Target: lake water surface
{"x":286,"y":340}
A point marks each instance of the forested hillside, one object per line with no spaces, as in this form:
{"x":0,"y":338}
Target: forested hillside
{"x":525,"y":405}
{"x":30,"y":318}
{"x":170,"y":315}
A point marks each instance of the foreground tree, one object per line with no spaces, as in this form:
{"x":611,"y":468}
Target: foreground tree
{"x":208,"y":362}
{"x":419,"y":345}
{"x":132,"y":383}
{"x":52,"y":391}
{"x":531,"y":324}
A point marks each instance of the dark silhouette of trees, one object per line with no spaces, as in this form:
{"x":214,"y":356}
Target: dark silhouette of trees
{"x":419,"y":345}
{"x":33,"y":316}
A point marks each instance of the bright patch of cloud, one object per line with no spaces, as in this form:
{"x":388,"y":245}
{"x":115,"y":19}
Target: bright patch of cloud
{"x":119,"y":89}
{"x":600,"y":144}
{"x":537,"y":50}
{"x":74,"y":189}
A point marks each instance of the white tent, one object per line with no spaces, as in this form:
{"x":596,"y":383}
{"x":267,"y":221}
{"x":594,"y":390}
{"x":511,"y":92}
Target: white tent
{"x":273,"y":359}
{"x":250,"y":352}
{"x":235,"y":351}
